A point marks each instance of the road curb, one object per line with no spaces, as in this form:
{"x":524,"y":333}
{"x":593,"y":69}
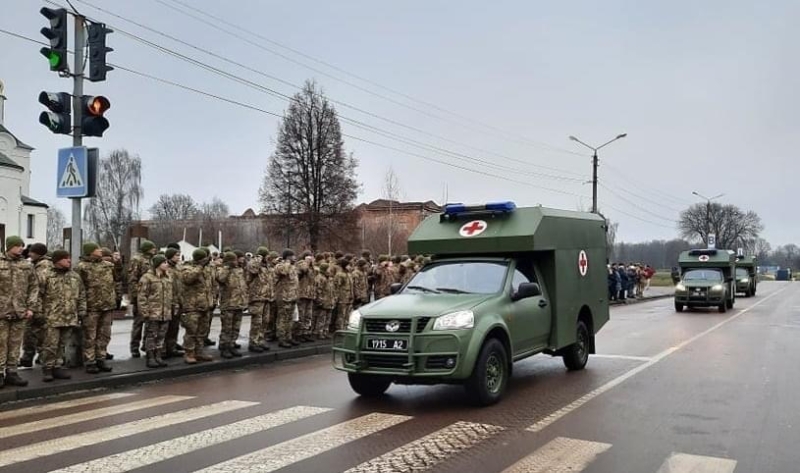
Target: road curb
{"x":639,"y":301}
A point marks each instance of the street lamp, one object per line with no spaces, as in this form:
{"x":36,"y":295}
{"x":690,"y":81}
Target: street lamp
{"x":594,"y":165}
{"x":708,"y":211}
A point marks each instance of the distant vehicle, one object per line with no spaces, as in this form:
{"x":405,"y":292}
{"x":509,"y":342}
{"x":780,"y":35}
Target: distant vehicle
{"x":505,"y":283}
{"x":783,"y":274}
{"x":707,"y":279}
{"x":746,"y":276}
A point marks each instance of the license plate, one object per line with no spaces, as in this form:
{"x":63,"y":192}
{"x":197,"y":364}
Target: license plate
{"x":387,"y":344}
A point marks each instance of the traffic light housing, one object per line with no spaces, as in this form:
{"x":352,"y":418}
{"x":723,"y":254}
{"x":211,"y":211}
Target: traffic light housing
{"x":97,"y":52}
{"x":58,"y":119}
{"x":56,"y":54}
{"x":93,"y":123}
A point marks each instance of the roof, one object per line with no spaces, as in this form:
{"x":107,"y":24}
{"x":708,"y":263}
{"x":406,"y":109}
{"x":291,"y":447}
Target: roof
{"x":20,"y":144}
{"x":712,"y":258}
{"x":521,"y":230}
{"x":32,"y":202}
{"x":7,"y":162}
{"x":383,"y":205}
{"x":746,"y":261}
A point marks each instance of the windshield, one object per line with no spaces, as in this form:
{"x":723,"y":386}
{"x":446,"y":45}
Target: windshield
{"x":462,"y":277}
{"x":713,"y":275}
{"x":741,"y":273}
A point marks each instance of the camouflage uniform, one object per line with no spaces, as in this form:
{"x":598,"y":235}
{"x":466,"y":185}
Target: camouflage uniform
{"x":270,"y":329}
{"x":406,"y":272}
{"x":343,"y":286}
{"x":64,"y":305}
{"x":305,"y":303}
{"x":19,"y":293}
{"x":138,"y":267}
{"x":360,"y":285}
{"x":232,"y":302}
{"x":286,"y":293}
{"x":171,"y":339}
{"x":35,"y":326}
{"x":324,"y":301}
{"x":197,"y":300}
{"x":101,"y":300}
{"x":156,"y":304}
{"x":205,"y":324}
{"x":259,"y":286}
{"x":383,"y":279}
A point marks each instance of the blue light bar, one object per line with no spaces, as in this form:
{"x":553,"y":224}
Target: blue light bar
{"x":507,"y":206}
{"x":456,"y":209}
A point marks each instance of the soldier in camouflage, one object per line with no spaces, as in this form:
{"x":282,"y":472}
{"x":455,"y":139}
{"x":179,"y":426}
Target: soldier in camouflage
{"x":138,"y":267}
{"x":155,"y":301}
{"x":383,"y":277}
{"x":343,"y":286}
{"x":324,"y":301}
{"x":64,"y":306}
{"x":360,"y":284}
{"x":196,"y":304}
{"x":286,"y":293}
{"x":19,"y":300}
{"x":270,"y":327}
{"x":35,"y":326}
{"x":232,"y":302}
{"x":259,"y":288}
{"x":97,"y":277}
{"x":306,"y":294}
{"x":173,"y":348}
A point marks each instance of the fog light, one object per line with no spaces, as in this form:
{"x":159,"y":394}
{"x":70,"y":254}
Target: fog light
{"x":450,"y":362}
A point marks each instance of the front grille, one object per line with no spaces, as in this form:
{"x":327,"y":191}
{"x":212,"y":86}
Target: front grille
{"x":379,"y":325}
{"x":439,"y":362}
{"x":421,"y":323}
{"x":385,"y":361}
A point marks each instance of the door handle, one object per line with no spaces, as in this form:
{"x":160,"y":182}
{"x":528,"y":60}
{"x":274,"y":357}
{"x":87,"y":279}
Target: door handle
{"x":542,"y":303}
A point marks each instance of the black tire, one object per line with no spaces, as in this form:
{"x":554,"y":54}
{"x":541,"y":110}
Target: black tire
{"x":577,"y":355}
{"x":678,"y":307}
{"x":723,"y":308}
{"x":729,"y":303}
{"x":369,"y":385}
{"x":489,"y":377}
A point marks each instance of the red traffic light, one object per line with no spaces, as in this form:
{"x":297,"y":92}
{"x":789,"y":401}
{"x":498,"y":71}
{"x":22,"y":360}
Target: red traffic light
{"x":96,"y":106}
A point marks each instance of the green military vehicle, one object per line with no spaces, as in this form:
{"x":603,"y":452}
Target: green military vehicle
{"x":504,"y":283}
{"x":746,"y":275}
{"x":707,"y":279}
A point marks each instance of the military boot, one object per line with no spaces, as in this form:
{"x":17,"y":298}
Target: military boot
{"x":26,"y":361}
{"x":285,"y":344}
{"x":202,"y":356}
{"x":61,"y":373}
{"x":159,"y":360}
{"x":188,"y":357}
{"x":47,"y":374}
{"x":255,"y":348}
{"x":225,"y":352}
{"x":235,"y":351}
{"x":92,"y":368}
{"x":2,"y":380}
{"x":103,"y":366}
{"x":13,"y":379}
{"x":294,"y":342}
{"x":151,"y":361}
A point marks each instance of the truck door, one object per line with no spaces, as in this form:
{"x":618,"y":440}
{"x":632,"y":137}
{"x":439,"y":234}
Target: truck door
{"x":531,"y":321}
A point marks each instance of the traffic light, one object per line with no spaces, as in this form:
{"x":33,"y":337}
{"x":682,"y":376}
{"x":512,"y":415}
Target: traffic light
{"x":56,"y":54}
{"x":58,"y":119}
{"x":97,"y":52}
{"x":93,"y":123}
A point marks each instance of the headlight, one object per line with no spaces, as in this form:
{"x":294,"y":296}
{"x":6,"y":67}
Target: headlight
{"x":744,"y":280}
{"x":717,"y":287}
{"x":680,"y":287}
{"x":354,"y":321}
{"x":455,"y":320}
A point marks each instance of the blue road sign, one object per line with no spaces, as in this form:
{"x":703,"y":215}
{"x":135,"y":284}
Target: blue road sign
{"x":72,"y":178}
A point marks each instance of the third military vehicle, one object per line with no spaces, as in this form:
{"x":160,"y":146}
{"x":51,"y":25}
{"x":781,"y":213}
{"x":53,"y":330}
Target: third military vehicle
{"x":504,"y":283}
{"x":746,"y":275}
{"x":707,"y":279}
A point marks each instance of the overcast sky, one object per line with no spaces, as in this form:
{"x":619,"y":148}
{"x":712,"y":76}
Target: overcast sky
{"x":707,"y":92}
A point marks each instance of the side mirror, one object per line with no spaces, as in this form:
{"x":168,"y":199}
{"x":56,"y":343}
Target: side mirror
{"x":525,"y":290}
{"x":395,"y":287}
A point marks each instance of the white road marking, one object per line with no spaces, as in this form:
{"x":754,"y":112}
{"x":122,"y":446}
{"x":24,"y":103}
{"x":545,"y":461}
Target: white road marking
{"x":300,"y":448}
{"x":546,"y":421}
{"x":428,"y":451}
{"x":61,"y":405}
{"x":69,"y":419}
{"x":623,"y":357}
{"x":560,"y":455}
{"x":106,"y":434}
{"x":685,"y":463}
{"x":161,"y":451}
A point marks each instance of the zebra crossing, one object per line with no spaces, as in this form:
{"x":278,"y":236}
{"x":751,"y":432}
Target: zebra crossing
{"x":425,"y":453}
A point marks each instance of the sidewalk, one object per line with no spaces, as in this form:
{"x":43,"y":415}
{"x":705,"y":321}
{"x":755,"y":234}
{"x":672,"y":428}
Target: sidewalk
{"x":653,"y":293}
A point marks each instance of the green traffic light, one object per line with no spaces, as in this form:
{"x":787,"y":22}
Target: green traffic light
{"x":54,"y":59}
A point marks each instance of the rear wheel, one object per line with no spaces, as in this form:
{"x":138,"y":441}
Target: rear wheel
{"x":577,"y":355}
{"x":369,"y":385}
{"x":490,"y":375}
{"x":678,"y":307}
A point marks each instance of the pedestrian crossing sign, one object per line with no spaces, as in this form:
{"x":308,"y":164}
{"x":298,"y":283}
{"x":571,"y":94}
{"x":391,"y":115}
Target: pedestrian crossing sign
{"x":76,"y":172}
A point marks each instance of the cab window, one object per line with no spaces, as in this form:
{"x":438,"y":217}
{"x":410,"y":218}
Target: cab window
{"x":523,"y":273}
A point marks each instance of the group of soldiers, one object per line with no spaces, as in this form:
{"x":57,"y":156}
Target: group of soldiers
{"x":289,"y":299}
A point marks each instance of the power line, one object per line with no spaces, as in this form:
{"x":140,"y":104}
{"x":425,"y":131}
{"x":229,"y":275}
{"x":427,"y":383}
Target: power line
{"x":646,"y":199}
{"x":636,"y":205}
{"x":654,"y":190}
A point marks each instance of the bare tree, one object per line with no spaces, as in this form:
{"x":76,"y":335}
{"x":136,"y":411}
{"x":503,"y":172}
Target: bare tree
{"x":391,"y":192}
{"x":762,"y":250}
{"x":119,"y":192}
{"x":213,"y":210}
{"x":733,"y":226}
{"x":171,"y":207}
{"x":310,"y":180}
{"x":55,"y":227}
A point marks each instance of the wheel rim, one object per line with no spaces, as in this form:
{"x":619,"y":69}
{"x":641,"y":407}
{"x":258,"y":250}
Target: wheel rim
{"x":582,"y":344}
{"x":495,"y":373}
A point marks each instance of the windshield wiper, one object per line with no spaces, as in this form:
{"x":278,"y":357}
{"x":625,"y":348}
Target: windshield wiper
{"x":452,"y":290}
{"x":423,"y":289}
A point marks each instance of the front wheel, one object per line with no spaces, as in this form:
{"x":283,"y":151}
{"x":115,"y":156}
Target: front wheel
{"x":577,"y":355}
{"x":678,"y":307}
{"x":489,"y":377}
{"x":722,"y":308}
{"x":369,"y":385}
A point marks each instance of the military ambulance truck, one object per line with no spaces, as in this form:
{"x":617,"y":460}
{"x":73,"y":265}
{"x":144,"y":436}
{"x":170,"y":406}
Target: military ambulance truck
{"x":504,"y":283}
{"x":707,"y":279}
{"x":746,"y":276}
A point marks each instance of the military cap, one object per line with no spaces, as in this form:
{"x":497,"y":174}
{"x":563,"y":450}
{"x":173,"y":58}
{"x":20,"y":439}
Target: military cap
{"x":319,"y":257}
{"x":338,"y":254}
{"x":174,"y":245}
{"x":383,"y":258}
{"x":146,"y":246}
{"x":38,"y":248}
{"x":342,"y":262}
{"x":239,"y":253}
{"x":366,"y":253}
{"x":107,"y":251}
{"x":396,"y":259}
{"x":89,"y":247}
{"x":158,"y":260}
{"x":58,"y":255}
{"x":229,"y":257}
{"x":404,"y":258}
{"x":171,"y":252}
{"x":14,"y":241}
{"x":262,"y":251}
{"x":273,"y":254}
{"x":199,"y":254}
{"x":288,"y":252}
{"x":306,"y":253}
{"x":361,"y":262}
{"x":323,"y":267}
{"x":227,"y":249}
{"x":348,"y":257}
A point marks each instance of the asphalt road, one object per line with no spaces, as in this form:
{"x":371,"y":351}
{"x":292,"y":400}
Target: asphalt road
{"x":697,"y":392}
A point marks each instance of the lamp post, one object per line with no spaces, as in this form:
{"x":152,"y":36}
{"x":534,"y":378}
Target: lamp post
{"x":708,"y":211}
{"x":594,"y":165}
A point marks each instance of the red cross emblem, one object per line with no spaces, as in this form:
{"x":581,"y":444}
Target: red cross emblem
{"x":583,"y":263}
{"x":703,"y":258}
{"x":475,"y":227}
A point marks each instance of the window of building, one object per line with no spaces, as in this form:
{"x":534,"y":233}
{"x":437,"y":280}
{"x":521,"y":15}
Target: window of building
{"x":31,"y":221}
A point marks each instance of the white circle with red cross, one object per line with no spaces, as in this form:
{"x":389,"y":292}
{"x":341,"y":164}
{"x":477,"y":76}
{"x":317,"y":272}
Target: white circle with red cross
{"x":470,"y":229}
{"x":583,"y":263}
{"x":703,"y":258}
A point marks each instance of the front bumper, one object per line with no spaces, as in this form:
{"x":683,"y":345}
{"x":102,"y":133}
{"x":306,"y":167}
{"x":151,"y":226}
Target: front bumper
{"x":702,"y":298}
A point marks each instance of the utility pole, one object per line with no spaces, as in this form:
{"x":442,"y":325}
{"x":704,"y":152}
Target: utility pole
{"x":708,"y":213}
{"x":595,"y":164}
{"x":77,"y":136}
